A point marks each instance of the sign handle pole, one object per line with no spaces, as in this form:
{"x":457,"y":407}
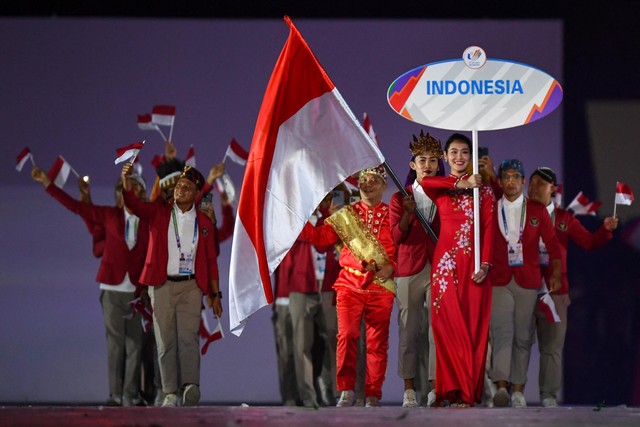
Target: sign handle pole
{"x":476,"y":205}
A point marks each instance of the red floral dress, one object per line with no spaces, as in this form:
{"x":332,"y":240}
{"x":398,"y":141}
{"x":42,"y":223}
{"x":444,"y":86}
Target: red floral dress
{"x":461,"y":308}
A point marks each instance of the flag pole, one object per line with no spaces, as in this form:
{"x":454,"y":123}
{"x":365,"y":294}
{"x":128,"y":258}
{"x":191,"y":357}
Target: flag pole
{"x":614,"y":200}
{"x":161,"y":133}
{"x":476,"y":204}
{"x":171,"y":131}
{"x":418,"y":212}
{"x":32,"y":162}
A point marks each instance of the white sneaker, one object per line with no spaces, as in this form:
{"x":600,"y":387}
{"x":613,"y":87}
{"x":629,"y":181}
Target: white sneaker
{"x":501,"y":398}
{"x":409,"y":399}
{"x":550,"y":402}
{"x":373,"y":402}
{"x":359,"y":401}
{"x":170,"y":401}
{"x":517,"y":400}
{"x":191,"y":395}
{"x":347,"y":397}
{"x":431,"y":399}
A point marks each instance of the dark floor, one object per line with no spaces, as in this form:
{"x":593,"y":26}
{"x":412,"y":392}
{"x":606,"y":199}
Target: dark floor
{"x":391,"y":416}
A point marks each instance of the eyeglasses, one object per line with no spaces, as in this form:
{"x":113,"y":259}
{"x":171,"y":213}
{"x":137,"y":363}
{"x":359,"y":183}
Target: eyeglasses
{"x":510,"y":177}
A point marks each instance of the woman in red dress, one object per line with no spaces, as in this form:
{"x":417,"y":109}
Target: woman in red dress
{"x":460,"y":297}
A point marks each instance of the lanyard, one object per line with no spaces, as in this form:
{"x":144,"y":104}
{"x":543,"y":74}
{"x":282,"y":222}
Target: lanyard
{"x":135,"y":228}
{"x":522,"y":215}
{"x":175,"y":228}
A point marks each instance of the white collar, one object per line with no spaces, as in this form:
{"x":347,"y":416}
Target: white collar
{"x":516,"y":202}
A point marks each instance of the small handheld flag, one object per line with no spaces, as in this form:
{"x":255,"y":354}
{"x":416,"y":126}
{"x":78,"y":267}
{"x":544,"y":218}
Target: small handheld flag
{"x":207,"y":334}
{"x":191,"y":157}
{"x":145,"y":123}
{"x":130,"y":152}
{"x":24,"y":156}
{"x":164,"y":115}
{"x":624,"y":195}
{"x":236,"y":153}
{"x":59,"y":172}
{"x":581,"y":205}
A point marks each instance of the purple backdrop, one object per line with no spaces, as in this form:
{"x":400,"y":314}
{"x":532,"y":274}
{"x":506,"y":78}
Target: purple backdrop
{"x":74,"y":87}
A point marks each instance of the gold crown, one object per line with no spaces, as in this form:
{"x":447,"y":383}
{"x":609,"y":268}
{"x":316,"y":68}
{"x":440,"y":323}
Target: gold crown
{"x":378,"y":170}
{"x":426,"y":144}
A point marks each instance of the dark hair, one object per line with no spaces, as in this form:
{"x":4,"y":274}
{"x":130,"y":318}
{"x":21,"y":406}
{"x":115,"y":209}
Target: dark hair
{"x":411,"y":176}
{"x":457,"y":137}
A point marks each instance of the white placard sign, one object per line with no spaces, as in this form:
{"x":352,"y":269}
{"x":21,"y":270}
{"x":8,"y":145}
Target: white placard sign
{"x":474,"y":93}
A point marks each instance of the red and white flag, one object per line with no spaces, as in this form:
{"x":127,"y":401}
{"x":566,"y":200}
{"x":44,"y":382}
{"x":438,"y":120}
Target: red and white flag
{"x":24,"y":156}
{"x":163,"y":115}
{"x":557,"y":197}
{"x":624,"y":195}
{"x":548,"y":307}
{"x":366,"y":125}
{"x":59,"y":172}
{"x":191,"y":157}
{"x":138,"y":305}
{"x":145,"y":123}
{"x":207,"y":334}
{"x":129,"y":152}
{"x":236,"y":153}
{"x":581,"y":205}
{"x":305,"y":143}
{"x":157,"y":160}
{"x":225,"y":185}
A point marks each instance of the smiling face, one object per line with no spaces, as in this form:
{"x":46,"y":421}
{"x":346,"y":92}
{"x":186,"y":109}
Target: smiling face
{"x":185,"y":193}
{"x":425,"y":164}
{"x":458,"y":155}
{"x":372,"y":188}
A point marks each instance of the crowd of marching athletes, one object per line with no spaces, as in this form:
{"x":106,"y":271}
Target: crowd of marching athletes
{"x":465,"y":335}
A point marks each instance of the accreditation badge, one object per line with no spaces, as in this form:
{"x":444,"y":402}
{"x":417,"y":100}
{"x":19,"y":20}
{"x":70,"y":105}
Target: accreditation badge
{"x":544,"y":255}
{"x":516,"y":256}
{"x":186,"y":264}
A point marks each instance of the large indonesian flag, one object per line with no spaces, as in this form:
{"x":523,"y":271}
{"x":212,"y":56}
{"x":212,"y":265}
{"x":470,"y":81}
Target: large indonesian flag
{"x":305,"y":143}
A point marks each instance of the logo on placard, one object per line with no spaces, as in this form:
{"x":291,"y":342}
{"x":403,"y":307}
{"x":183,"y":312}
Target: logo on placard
{"x":474,"y":57}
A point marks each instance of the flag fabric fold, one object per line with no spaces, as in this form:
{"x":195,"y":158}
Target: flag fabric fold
{"x":190,"y":160}
{"x":581,"y":205}
{"x":548,"y":307}
{"x":306,"y":141}
{"x":236,"y":153}
{"x":624,"y":195}
{"x":207,"y":334}
{"x":24,"y":156}
{"x":129,"y":152}
{"x":59,"y":172}
{"x":138,"y":305}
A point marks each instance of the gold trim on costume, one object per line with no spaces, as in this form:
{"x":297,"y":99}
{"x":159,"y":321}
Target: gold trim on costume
{"x":354,"y":233}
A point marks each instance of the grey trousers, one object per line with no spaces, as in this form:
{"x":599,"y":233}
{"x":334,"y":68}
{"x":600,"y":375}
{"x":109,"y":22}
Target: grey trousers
{"x":413,"y":323}
{"x":306,"y":313}
{"x":283,"y":329}
{"x":551,"y":345}
{"x":176,"y":322}
{"x":511,"y":332}
{"x":124,"y":345}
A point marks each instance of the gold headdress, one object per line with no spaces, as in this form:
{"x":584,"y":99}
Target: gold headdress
{"x":426,"y":144}
{"x":378,"y":170}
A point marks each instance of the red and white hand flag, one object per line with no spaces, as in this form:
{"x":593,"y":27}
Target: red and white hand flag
{"x":236,"y":153}
{"x":145,"y":122}
{"x":305,"y":143}
{"x":581,"y":205}
{"x":157,"y":160}
{"x":138,"y":305}
{"x":225,"y":185}
{"x":191,"y":157}
{"x":163,"y":115}
{"x":366,"y":125}
{"x":129,"y":152}
{"x":557,"y":197}
{"x":624,"y":195}
{"x":546,"y":305}
{"x":59,"y":172}
{"x":24,"y":156}
{"x":207,"y":334}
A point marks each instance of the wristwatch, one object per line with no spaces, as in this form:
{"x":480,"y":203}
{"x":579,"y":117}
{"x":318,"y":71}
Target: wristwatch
{"x":216,"y":294}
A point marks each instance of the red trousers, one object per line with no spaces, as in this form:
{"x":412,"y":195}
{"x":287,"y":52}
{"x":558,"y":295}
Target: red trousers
{"x":375,"y":308}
